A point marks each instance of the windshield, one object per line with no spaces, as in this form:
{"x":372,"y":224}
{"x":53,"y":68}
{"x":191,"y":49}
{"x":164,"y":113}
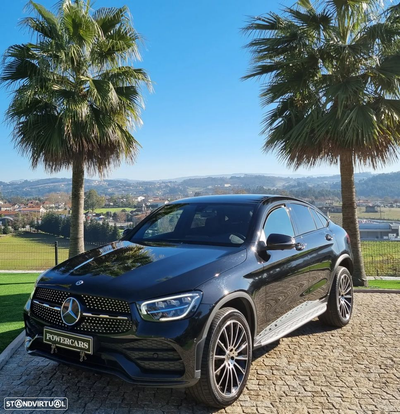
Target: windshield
{"x":215,"y":224}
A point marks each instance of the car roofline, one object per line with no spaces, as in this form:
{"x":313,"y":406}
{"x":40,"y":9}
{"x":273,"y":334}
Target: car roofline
{"x":239,"y":199}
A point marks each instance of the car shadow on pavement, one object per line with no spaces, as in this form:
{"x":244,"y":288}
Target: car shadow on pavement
{"x":259,"y":352}
{"x":310,"y":328}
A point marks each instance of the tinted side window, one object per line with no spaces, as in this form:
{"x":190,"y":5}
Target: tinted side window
{"x":303,"y":219}
{"x":323,"y":219}
{"x":317,"y":220}
{"x":279,"y":222}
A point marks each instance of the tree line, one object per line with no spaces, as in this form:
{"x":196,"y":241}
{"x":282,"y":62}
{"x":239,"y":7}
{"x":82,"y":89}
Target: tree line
{"x":94,"y":231}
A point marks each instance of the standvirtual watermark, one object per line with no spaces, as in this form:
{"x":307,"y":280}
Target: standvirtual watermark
{"x":39,"y":403}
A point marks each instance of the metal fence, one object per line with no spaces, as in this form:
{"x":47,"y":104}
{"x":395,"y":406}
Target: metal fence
{"x":381,"y":258}
{"x":34,"y":251}
{"x":31,"y":251}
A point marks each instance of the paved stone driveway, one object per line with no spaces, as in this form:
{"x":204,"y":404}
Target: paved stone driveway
{"x":314,"y":370}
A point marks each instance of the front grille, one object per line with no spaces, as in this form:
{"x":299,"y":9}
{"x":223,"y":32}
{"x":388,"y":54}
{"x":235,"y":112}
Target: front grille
{"x":114,"y":318}
{"x":104,"y":325}
{"x":47,"y":314}
{"x":152,"y":355}
{"x":96,"y":303}
{"x":51,"y":295}
{"x":99,"y":303}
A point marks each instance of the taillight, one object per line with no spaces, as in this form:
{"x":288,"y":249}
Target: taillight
{"x":348,"y":238}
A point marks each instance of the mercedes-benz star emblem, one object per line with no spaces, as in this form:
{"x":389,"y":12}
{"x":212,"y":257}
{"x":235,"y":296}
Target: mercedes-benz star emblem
{"x":79,"y":282}
{"x":70,"y":311}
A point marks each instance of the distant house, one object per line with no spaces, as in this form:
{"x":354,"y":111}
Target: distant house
{"x":379,"y":230}
{"x":48,"y":205}
{"x":32,"y":210}
{"x":33,"y":204}
{"x":5,"y":207}
{"x":331,"y":209}
{"x":371,"y":209}
{"x":8,"y":213}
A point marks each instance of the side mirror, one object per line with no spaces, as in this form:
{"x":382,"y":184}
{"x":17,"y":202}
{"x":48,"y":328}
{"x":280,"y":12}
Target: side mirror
{"x":280,"y":242}
{"x":261,"y":246}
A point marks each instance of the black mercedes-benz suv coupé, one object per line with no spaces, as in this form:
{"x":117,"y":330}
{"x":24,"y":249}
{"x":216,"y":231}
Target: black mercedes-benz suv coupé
{"x":184,"y":297}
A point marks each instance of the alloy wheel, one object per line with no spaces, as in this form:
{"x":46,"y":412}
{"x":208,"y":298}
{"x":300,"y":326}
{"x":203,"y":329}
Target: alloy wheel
{"x":345,"y":296}
{"x":230,"y":358}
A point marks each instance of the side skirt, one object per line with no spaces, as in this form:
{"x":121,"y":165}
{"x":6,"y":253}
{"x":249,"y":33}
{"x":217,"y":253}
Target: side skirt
{"x":289,"y":322}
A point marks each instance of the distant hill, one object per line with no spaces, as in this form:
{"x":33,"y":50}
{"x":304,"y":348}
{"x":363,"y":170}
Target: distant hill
{"x":367,"y":185}
{"x":238,"y":181}
{"x":380,"y":185}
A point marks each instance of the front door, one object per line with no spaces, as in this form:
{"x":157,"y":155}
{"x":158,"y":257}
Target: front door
{"x":282,"y":277}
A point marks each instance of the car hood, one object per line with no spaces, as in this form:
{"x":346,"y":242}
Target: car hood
{"x":132,"y":272}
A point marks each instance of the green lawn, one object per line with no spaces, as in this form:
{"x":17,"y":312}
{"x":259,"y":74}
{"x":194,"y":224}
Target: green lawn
{"x":384,"y":213}
{"x":15,"y":289}
{"x":32,"y":251}
{"x":113,"y":209}
{"x":384,"y":284}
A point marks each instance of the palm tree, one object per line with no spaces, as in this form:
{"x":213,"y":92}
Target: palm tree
{"x":75,"y":94}
{"x":330,"y":75}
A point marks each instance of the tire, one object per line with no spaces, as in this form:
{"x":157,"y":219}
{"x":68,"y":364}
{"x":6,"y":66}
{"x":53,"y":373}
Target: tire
{"x":224,"y":369}
{"x":341,"y":301}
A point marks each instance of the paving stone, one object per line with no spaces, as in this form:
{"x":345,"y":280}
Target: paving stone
{"x":315,"y":369}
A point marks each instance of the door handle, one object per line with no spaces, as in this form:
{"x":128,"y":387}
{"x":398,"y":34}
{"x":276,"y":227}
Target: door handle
{"x":300,"y":246}
{"x":328,"y":237}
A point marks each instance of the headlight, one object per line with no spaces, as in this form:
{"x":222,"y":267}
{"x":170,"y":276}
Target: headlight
{"x":170,"y":308}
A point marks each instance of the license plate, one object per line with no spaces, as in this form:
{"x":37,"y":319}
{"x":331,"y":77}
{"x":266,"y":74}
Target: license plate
{"x":80,"y":343}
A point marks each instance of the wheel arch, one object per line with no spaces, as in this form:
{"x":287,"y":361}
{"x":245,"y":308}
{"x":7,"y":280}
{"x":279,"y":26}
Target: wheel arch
{"x":239,"y":300}
{"x":344,"y":261}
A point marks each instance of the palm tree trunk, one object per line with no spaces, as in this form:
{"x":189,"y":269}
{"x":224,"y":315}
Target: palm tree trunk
{"x":349,"y":213}
{"x":76,"y":244}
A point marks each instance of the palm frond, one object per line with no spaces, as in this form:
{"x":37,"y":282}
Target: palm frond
{"x":47,"y":17}
{"x":18,"y":70}
{"x":110,"y":18}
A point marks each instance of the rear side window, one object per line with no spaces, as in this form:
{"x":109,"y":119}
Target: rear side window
{"x":278,"y":222}
{"x":302,"y":218}
{"x":323,"y":219}
{"x":319,"y":219}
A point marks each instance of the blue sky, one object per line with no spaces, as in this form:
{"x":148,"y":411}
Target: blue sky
{"x":201,"y":119}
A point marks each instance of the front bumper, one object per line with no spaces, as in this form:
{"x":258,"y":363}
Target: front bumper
{"x":166,"y":354}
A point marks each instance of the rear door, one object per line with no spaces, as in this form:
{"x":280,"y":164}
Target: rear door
{"x":315,"y":241}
